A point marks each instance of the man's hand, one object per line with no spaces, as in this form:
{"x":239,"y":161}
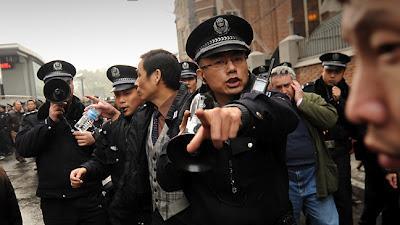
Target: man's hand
{"x":56,"y":111}
{"x":218,"y":124}
{"x":336,"y":92}
{"x":298,"y":92}
{"x":106,"y":109}
{"x":76,"y":176}
{"x":392,"y":179}
{"x":183,"y":124}
{"x":84,"y":138}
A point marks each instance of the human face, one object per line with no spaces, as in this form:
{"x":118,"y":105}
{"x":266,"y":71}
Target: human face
{"x":17,"y":106}
{"x":332,"y":77}
{"x":31,"y":105}
{"x":283,"y":84}
{"x":226,"y":74}
{"x":127,"y":101}
{"x":191,"y":83}
{"x":373,"y":29}
{"x":147,"y":85}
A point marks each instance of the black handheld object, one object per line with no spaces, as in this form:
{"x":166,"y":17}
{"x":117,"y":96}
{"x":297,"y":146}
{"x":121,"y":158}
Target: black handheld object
{"x":204,"y":159}
{"x":56,"y":90}
{"x":261,"y":83}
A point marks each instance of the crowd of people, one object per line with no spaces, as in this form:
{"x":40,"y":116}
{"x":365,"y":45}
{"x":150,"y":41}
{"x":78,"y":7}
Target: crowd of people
{"x":197,"y":142}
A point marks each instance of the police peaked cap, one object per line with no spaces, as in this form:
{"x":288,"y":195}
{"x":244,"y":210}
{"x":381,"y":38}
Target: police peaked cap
{"x":263,"y":69}
{"x":188,"y":69}
{"x":333,"y":60}
{"x":122,"y":77}
{"x":56,"y":68}
{"x":219,"y":34}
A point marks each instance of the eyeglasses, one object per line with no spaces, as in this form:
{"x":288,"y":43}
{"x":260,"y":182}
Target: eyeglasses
{"x":222,"y":61}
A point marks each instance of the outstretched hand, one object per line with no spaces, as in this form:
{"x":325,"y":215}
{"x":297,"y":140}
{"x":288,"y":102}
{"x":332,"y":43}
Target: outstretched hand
{"x":217,"y":124}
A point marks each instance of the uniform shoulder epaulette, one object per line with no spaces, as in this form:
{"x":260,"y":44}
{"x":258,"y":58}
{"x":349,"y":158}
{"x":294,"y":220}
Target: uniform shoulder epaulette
{"x":31,"y":112}
{"x":309,"y":86}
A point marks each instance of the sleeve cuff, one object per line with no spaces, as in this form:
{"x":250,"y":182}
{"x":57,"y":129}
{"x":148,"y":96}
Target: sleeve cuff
{"x":245,"y":115}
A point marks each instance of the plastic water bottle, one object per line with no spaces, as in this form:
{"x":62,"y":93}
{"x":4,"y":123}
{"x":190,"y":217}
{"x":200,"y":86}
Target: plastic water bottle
{"x":87,"y":120}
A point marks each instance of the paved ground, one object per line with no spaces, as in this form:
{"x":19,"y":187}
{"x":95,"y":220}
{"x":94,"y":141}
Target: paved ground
{"x":24,"y":179}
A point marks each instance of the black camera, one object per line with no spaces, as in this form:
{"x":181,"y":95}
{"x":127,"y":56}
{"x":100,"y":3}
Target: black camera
{"x":56,"y":90}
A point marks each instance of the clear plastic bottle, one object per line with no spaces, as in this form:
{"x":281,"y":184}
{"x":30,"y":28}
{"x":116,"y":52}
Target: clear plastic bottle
{"x":87,"y":120}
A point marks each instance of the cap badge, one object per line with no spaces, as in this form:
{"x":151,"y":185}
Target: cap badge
{"x":335,"y":56}
{"x":115,"y":72}
{"x":221,"y":26}
{"x":57,"y":66}
{"x":185,"y":65}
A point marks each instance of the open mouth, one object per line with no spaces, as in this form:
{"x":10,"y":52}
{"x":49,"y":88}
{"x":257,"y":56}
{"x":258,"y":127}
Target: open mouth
{"x":233,"y":82}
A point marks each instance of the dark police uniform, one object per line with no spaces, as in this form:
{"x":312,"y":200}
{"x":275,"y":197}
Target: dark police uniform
{"x":5,"y":136}
{"x":249,"y":184}
{"x":338,"y":138}
{"x":129,"y":200}
{"x":57,"y":154}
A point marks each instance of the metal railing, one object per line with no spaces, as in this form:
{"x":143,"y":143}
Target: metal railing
{"x":322,"y":40}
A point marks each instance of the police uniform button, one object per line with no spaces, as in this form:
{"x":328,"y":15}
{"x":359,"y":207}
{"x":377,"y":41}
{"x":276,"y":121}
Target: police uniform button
{"x":49,"y":127}
{"x":259,"y":115}
{"x":100,"y":206}
{"x":116,"y":160}
{"x":64,"y":196}
{"x":104,"y":132}
{"x":249,"y":145}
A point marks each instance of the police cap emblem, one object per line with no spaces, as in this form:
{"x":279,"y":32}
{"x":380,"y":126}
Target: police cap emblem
{"x":335,"y":56}
{"x":115,"y":72}
{"x":221,"y":26}
{"x":57,"y":66}
{"x":185,"y":65}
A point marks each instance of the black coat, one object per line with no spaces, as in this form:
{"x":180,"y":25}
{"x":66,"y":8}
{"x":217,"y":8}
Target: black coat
{"x":5,"y":135}
{"x":258,"y":163}
{"x":343,"y":129}
{"x":9,"y":209}
{"x":131,"y":200}
{"x":57,"y":152}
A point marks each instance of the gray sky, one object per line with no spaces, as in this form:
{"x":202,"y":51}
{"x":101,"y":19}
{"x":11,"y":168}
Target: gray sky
{"x":91,"y":34}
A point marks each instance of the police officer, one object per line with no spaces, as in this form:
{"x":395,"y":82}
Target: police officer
{"x":126,"y":203}
{"x":334,"y":89}
{"x":188,"y":75}
{"x":57,"y":152}
{"x":260,"y":71}
{"x":249,"y":182}
{"x":5,"y":138}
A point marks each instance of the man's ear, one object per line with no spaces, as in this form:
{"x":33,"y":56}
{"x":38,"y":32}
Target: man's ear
{"x":157,"y":75}
{"x":200,"y":74}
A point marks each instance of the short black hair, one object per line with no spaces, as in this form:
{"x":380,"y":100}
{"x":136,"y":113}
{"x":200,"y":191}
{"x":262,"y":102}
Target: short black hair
{"x":167,"y":63}
{"x":30,"y":100}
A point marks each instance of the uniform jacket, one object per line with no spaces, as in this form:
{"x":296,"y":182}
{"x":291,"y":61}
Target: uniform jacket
{"x":15,"y":120}
{"x":131,"y":201}
{"x":319,"y":115}
{"x":57,"y":152}
{"x":258,"y":167}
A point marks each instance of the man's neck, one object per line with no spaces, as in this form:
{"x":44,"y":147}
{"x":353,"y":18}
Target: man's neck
{"x":162,"y":96}
{"x":223,"y":99}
